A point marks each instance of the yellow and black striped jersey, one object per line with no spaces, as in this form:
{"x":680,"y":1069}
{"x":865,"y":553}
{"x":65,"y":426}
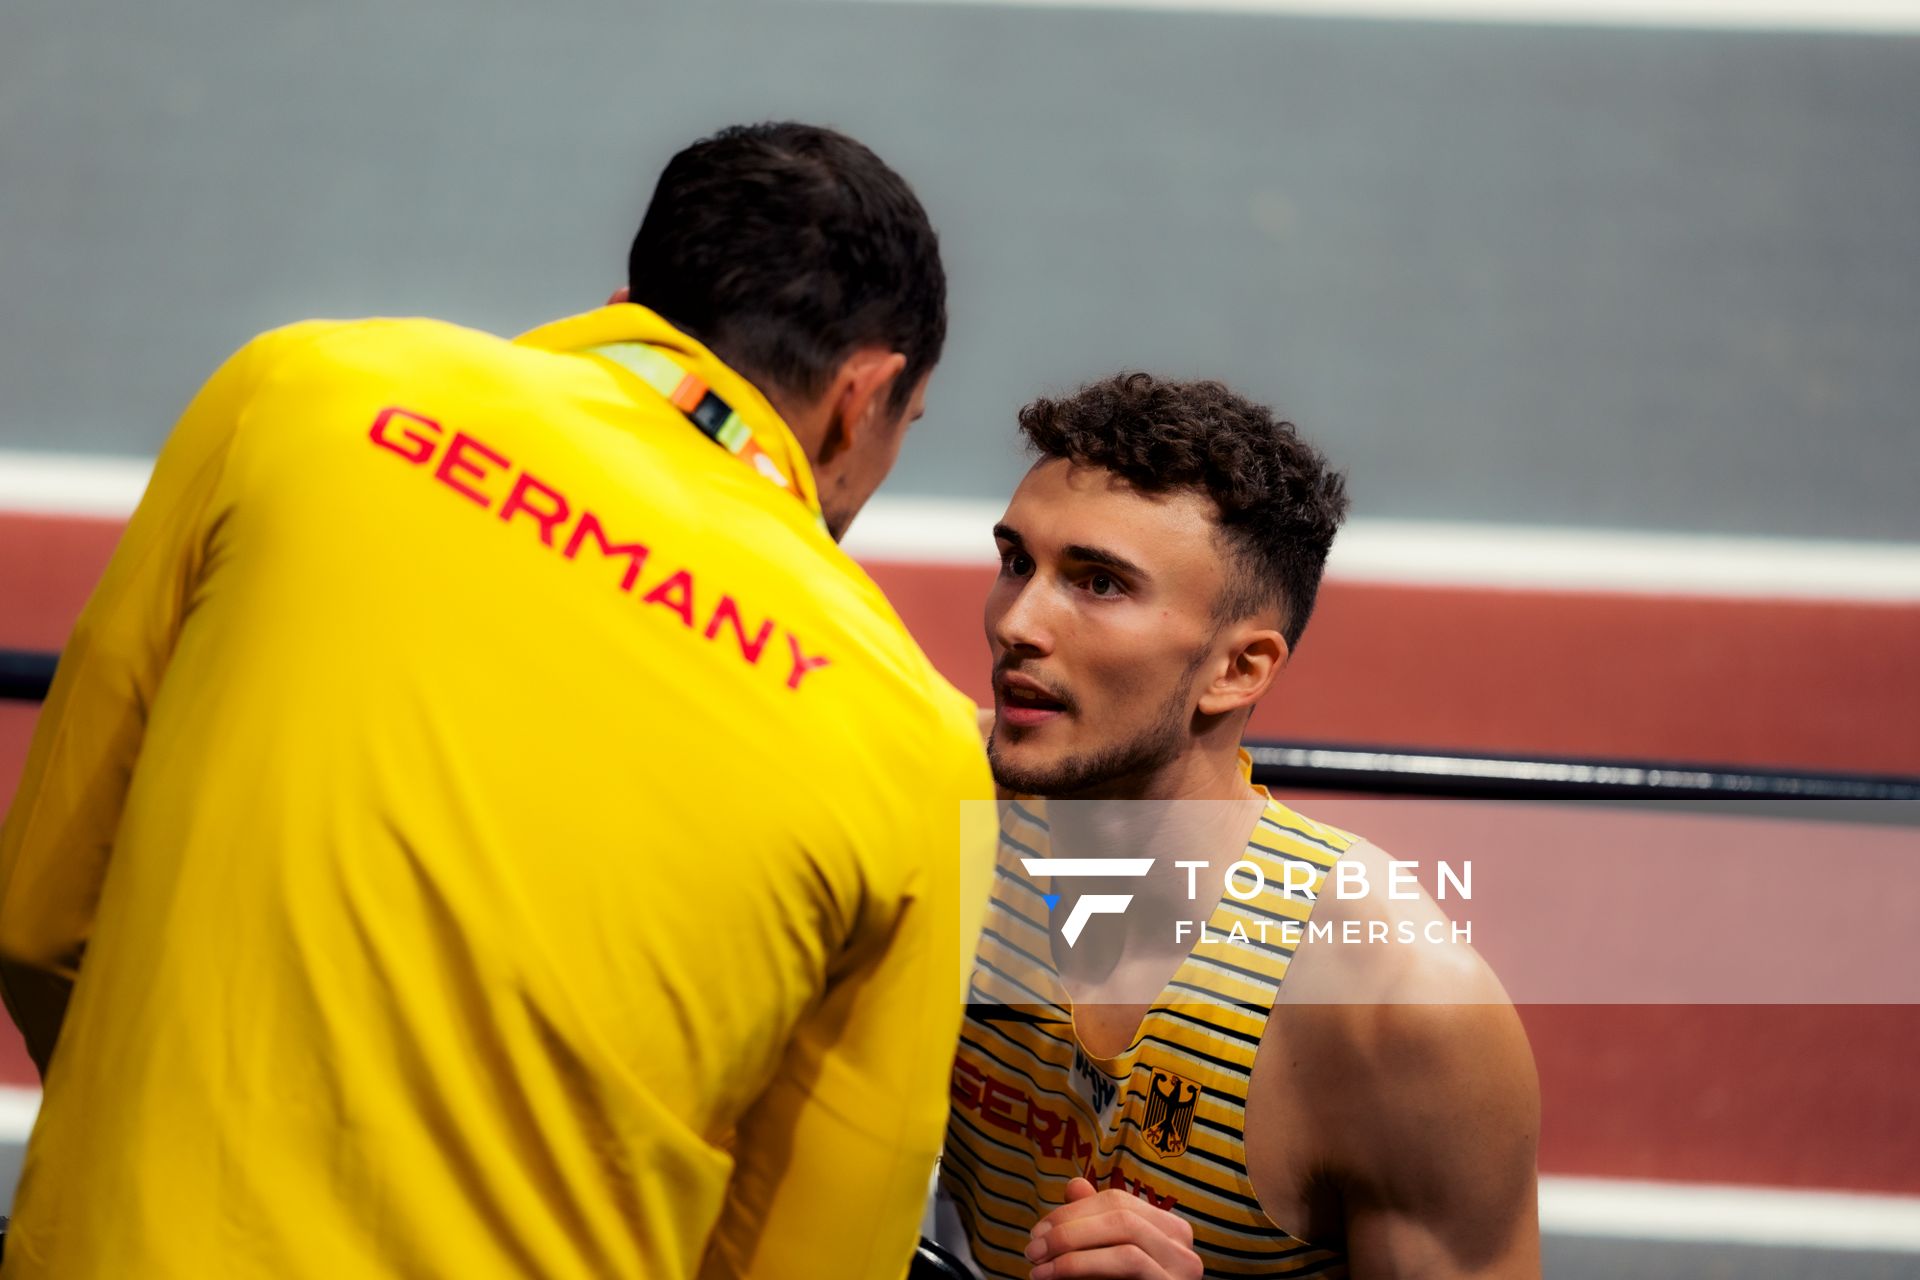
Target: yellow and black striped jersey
{"x":1165,"y":1120}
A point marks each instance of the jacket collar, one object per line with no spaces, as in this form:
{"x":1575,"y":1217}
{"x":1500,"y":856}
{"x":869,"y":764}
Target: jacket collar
{"x":630,"y":322}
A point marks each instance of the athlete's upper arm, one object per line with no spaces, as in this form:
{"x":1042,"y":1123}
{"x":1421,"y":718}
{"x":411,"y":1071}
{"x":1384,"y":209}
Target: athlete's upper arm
{"x":60,"y":829}
{"x":834,"y":1160}
{"x":1446,"y":1186}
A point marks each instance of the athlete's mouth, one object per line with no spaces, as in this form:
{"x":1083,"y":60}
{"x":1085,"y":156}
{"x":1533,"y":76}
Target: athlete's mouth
{"x":1025,"y":702}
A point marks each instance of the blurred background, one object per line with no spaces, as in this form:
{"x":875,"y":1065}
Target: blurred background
{"x":1611,"y":312}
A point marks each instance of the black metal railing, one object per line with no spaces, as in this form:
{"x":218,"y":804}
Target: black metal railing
{"x":25,"y":675}
{"x":1417,"y":772}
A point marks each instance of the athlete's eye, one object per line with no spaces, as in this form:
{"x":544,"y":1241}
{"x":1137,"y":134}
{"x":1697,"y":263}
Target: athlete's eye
{"x":1017,"y":563}
{"x":1103,"y":585}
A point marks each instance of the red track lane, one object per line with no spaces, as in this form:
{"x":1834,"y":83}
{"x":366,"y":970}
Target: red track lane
{"x":1765,"y":1095}
{"x":1759,"y":1095}
{"x":1753,"y":682}
{"x":1811,"y":685}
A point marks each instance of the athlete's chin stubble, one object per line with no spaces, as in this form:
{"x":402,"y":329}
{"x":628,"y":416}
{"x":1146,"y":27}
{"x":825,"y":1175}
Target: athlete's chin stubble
{"x":1150,"y":751}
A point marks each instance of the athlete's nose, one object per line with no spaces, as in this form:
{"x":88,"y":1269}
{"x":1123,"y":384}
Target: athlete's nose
{"x":1017,"y":618}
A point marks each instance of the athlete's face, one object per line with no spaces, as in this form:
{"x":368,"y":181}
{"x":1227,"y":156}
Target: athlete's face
{"x":1102,"y":629}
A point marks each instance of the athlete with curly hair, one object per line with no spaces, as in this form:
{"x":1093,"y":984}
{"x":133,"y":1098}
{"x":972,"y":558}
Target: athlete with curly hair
{"x":1174,"y":1063}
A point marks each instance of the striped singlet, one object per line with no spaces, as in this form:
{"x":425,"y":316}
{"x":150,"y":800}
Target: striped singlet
{"x":1031,"y":1109}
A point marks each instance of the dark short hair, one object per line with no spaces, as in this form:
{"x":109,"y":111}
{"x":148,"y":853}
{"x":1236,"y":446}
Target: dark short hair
{"x":784,"y":247}
{"x":1279,"y":502}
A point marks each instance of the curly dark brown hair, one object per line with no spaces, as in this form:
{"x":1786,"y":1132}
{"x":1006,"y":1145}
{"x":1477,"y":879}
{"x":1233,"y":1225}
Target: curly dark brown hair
{"x":1280,"y":503}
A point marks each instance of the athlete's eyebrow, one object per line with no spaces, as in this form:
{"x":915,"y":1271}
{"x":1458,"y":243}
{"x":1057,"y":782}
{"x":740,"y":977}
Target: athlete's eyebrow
{"x":1108,"y":559}
{"x":1080,"y":554}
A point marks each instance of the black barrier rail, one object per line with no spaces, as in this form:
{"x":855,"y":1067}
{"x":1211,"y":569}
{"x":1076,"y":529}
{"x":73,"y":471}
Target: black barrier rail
{"x":1413,"y":772}
{"x":25,"y":675}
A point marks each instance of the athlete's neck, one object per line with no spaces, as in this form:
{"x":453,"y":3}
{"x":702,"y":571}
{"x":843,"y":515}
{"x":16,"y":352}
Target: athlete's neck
{"x":1200,"y":809}
{"x":1211,"y":774}
{"x":1164,"y":830}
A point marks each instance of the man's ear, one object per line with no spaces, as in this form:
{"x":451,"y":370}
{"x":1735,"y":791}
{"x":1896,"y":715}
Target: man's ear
{"x":856,"y":399}
{"x":1252,"y":666}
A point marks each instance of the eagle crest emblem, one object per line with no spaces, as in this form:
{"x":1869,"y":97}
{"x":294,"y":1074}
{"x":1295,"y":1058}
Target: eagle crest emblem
{"x":1170,"y":1103}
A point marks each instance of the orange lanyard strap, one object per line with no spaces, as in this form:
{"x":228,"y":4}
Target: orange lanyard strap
{"x":715,"y":418}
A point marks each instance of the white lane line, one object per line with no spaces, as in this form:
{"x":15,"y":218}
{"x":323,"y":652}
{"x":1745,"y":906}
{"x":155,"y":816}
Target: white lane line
{"x":1534,"y":558}
{"x":18,"y":1107}
{"x":1435,"y":553}
{"x":1608,"y":1208}
{"x":1854,"y":16}
{"x":1617,"y":1208}
{"x":71,"y":484}
{"x":928,"y":530}
{"x":1443,"y":553}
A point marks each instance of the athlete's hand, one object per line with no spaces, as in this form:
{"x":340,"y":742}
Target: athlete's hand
{"x":1112,"y":1235}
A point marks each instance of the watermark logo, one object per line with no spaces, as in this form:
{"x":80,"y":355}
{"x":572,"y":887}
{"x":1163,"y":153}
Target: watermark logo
{"x":1089,"y":904}
{"x":1245,"y":881}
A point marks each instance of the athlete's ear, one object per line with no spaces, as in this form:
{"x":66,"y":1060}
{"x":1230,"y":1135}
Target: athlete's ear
{"x":618,"y":296}
{"x":858,"y":397}
{"x":1252,"y":665}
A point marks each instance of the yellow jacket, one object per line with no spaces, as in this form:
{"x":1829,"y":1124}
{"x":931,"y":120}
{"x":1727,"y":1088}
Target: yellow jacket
{"x":506,"y":837}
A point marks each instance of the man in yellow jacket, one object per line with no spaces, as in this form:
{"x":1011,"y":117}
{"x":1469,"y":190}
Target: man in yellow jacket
{"x":483,"y":825}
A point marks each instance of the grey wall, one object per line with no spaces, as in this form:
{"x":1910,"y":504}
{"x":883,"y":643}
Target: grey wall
{"x":1602,"y":277}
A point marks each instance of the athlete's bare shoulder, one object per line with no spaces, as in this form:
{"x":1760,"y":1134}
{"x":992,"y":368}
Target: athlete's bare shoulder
{"x":1400,"y":1067}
